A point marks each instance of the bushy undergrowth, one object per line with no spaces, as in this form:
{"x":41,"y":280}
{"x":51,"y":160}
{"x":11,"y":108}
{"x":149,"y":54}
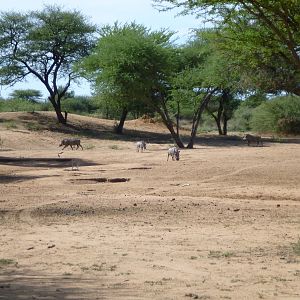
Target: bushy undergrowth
{"x":11,"y":105}
{"x":79,"y":105}
{"x":241,"y":119}
{"x":280,"y":115}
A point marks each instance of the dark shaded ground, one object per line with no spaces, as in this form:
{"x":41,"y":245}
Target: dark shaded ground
{"x":45,"y":162}
{"x":18,"y":178}
{"x":31,"y":285}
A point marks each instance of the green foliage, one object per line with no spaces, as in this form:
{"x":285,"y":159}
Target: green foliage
{"x":79,"y":105}
{"x":254,"y":100}
{"x":241,"y":118}
{"x":29,"y":95}
{"x":128,"y":66}
{"x":261,"y":38}
{"x":129,"y":60}
{"x":19,"y":105}
{"x":243,"y":114}
{"x":281,"y":115}
{"x":46,"y":44}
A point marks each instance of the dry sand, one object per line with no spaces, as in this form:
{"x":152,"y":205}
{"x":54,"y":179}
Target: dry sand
{"x":221,"y":223}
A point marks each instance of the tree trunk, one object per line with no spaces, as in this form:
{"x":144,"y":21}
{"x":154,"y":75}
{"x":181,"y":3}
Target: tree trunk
{"x":169,"y":124}
{"x":61,"y":119}
{"x":167,"y":121}
{"x":119,"y":128}
{"x":225,"y":122}
{"x":218,"y":121}
{"x":220,"y":113}
{"x":177,"y":119}
{"x":66,"y":116}
{"x":56,"y":105}
{"x":159,"y":105}
{"x":197,"y":117}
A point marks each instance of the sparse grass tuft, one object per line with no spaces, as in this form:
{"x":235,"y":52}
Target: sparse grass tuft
{"x":34,"y":126}
{"x":114,"y":147}
{"x":228,"y":254}
{"x":10,"y":125}
{"x":214,"y":254}
{"x":219,"y":254}
{"x":6,"y":262}
{"x":296,"y":247}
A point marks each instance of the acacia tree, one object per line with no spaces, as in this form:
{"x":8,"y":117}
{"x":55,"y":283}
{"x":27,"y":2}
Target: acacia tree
{"x":263,"y":35}
{"x":45,"y":44}
{"x":207,"y":81}
{"x":29,"y":95}
{"x":134,"y":64}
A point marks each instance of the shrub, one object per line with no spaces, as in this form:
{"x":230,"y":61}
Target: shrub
{"x":241,"y":119}
{"x":280,"y":115}
{"x":79,"y":105}
{"x":18,"y":105}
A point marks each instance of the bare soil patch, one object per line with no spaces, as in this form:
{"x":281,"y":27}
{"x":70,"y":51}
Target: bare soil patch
{"x":221,"y":223}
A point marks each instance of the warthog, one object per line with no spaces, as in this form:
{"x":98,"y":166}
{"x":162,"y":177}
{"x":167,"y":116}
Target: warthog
{"x":253,"y":139}
{"x":174,"y":153}
{"x":140,"y":146}
{"x":71,"y":143}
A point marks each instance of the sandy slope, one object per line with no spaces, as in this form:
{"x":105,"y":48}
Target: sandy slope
{"x":218,"y":224}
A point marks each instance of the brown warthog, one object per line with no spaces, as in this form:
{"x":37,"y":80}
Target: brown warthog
{"x":253,"y":139}
{"x":71,"y":143}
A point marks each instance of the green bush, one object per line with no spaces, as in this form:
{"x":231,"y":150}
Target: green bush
{"x":78,"y":105}
{"x":241,"y":119}
{"x":11,"y":105}
{"x":280,"y":115}
{"x":243,"y":114}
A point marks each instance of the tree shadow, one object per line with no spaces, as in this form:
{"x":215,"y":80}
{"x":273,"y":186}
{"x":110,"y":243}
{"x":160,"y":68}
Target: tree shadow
{"x":106,"y":132}
{"x":19,"y":178}
{"x":37,"y":286}
{"x":219,"y":141}
{"x":90,"y":129}
{"x":44,"y":162}
{"x":26,"y":284}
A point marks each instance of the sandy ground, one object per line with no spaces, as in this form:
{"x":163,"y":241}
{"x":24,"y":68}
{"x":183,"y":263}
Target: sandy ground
{"x":221,"y":223}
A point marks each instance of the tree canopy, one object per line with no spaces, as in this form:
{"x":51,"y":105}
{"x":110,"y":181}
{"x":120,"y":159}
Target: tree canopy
{"x":261,"y":36}
{"x":29,"y":95}
{"x":131,"y":63}
{"x":46,"y":44}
